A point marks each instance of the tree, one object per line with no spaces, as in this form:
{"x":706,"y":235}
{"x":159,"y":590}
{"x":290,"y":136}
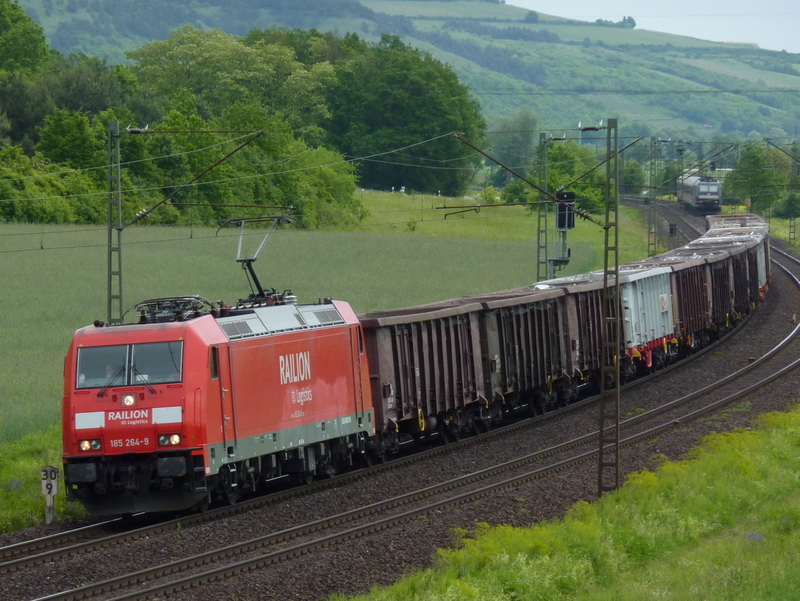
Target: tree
{"x":531,"y":17}
{"x":512,"y":145}
{"x":23,"y":46}
{"x":26,"y":103}
{"x":83,"y":83}
{"x":218,"y":68}
{"x":754,"y":178}
{"x":53,"y":196}
{"x":394,"y":97}
{"x":569,"y":163}
{"x":67,"y":137}
{"x":517,"y":191}
{"x":632,"y":178}
{"x":790,"y":208}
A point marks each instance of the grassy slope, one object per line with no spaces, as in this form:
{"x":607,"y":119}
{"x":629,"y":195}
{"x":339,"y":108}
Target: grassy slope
{"x":724,"y":525}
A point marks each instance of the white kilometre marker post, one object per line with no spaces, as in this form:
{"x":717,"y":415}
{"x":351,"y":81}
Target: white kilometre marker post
{"x":50,"y":490}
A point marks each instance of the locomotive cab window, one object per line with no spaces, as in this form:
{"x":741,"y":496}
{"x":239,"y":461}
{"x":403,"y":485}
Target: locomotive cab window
{"x":130,"y":364}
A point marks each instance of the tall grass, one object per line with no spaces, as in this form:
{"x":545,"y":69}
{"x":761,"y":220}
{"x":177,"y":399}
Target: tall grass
{"x":722,"y":525}
{"x":55,"y":281}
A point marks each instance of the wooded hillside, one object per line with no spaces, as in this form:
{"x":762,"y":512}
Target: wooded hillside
{"x":566,"y":71}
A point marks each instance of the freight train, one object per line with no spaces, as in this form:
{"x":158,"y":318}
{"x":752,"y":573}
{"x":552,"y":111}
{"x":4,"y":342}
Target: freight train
{"x":199,"y":402}
{"x":703,"y":194}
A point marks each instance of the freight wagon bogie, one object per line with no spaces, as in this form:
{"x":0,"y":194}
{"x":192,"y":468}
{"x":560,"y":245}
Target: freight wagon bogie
{"x":447,"y":425}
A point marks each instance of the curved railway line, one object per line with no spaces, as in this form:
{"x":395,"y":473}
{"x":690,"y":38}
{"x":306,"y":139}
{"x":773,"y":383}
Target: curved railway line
{"x":372,"y":523}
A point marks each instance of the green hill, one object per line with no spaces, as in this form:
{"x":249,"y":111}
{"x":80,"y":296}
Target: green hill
{"x":566,"y":71}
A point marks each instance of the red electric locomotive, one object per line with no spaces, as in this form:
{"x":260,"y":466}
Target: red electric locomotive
{"x":197,"y":401}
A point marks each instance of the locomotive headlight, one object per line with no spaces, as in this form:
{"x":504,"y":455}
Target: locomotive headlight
{"x":166,"y":440}
{"x":128,"y":400}
{"x":90,"y":445}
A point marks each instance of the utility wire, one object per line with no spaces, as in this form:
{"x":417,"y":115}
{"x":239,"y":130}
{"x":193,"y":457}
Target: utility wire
{"x":236,"y":179}
{"x":552,"y":92}
{"x":125,"y":164}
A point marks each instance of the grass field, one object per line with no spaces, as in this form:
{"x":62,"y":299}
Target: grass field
{"x":411,"y":251}
{"x":722,"y":526}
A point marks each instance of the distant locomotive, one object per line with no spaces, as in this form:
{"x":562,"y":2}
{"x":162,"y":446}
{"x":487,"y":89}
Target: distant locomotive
{"x":199,"y":402}
{"x":703,"y":194}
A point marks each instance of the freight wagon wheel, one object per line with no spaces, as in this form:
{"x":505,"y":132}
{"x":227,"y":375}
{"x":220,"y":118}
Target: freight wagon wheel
{"x":202,"y":506}
{"x":374,"y":458}
{"x":536,"y":403}
{"x":304,"y":478}
{"x":442,"y":429}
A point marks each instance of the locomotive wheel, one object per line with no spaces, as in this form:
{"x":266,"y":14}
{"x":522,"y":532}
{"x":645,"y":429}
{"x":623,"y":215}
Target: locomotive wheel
{"x":230,"y":493}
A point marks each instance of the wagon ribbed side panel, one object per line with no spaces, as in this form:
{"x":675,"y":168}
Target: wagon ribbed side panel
{"x":692,"y":303}
{"x":406,"y":390}
{"x":429,"y":357}
{"x":523,"y":340}
{"x":648,"y":309}
{"x":753,"y":275}
{"x":741,"y":283}
{"x":590,"y":318}
{"x":721,"y":291}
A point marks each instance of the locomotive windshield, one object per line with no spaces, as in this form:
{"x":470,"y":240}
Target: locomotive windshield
{"x":709,"y":188}
{"x":130,"y":364}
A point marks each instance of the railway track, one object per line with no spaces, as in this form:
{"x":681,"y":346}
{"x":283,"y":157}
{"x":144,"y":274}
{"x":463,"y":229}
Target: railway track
{"x":687,"y":224}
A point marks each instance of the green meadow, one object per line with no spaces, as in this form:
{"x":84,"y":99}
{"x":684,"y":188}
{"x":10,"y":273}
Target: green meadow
{"x":412,"y":249}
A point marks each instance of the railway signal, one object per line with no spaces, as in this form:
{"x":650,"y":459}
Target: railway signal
{"x":565,"y":212}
